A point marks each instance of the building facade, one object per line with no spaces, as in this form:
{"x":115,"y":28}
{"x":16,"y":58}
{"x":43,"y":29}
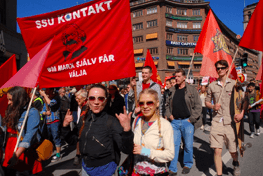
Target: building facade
{"x":170,"y":29}
{"x":11,"y":42}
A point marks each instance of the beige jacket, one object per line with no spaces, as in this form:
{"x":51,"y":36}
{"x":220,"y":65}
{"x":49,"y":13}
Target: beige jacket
{"x":151,"y":140}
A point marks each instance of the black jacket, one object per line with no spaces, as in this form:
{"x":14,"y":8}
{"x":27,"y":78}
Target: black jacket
{"x":116,"y":107}
{"x":64,"y":104}
{"x":101,"y":140}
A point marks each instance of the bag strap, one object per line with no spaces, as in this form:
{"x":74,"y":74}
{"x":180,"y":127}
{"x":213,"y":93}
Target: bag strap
{"x":152,"y":84}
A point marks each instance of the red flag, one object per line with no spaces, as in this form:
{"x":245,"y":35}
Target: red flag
{"x":149,"y":62}
{"x":7,"y":70}
{"x":92,"y":43}
{"x":252,"y":37}
{"x":211,"y":44}
{"x":29,"y":74}
{"x":259,"y":75}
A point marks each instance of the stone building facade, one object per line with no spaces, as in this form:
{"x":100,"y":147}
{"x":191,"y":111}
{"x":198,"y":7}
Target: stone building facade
{"x":170,"y":30}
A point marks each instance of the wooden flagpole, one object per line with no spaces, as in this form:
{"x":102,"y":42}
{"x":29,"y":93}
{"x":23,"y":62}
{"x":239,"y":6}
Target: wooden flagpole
{"x":190,"y":66}
{"x":228,"y":75}
{"x":25,"y":119}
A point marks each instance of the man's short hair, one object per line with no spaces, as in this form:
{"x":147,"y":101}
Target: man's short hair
{"x":222,"y":62}
{"x":61,"y":90}
{"x":180,"y":70}
{"x":251,"y":85}
{"x":148,"y":67}
{"x":172,"y":78}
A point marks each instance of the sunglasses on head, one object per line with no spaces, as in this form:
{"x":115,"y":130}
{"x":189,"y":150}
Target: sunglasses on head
{"x":100,"y":99}
{"x":220,"y":68}
{"x":148,"y":103}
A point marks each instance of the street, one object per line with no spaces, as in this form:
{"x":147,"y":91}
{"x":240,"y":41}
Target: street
{"x":251,"y":164}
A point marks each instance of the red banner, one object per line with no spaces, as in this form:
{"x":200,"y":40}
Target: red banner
{"x":92,"y":43}
{"x":7,"y":70}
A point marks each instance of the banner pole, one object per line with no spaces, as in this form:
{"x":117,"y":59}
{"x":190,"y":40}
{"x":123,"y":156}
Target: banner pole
{"x":228,"y":75}
{"x":190,"y":66}
{"x":25,"y":119}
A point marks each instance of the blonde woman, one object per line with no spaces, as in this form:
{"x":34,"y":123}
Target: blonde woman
{"x":153,"y":136}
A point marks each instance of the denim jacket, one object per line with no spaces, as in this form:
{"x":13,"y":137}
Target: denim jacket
{"x":30,"y":133}
{"x":54,"y":114}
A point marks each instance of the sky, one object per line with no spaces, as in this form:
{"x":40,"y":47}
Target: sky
{"x":230,"y":12}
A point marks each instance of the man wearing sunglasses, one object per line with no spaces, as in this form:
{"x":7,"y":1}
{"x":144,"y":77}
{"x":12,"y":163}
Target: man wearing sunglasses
{"x":223,"y":125}
{"x":101,"y":136}
{"x":183,"y":109}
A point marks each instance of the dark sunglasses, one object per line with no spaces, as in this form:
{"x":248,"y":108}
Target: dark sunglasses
{"x":148,"y":103}
{"x":220,"y":68}
{"x":100,"y":99}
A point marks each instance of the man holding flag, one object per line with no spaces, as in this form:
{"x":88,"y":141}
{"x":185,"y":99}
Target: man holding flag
{"x":222,"y":128}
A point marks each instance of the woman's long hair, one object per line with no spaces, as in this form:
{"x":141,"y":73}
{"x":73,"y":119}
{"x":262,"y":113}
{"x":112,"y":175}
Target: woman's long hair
{"x":20,"y":99}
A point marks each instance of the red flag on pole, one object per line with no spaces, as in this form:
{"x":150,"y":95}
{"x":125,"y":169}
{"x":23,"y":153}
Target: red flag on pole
{"x":92,"y":43}
{"x":29,"y":74}
{"x":7,"y":70}
{"x":253,"y":35}
{"x":149,"y":62}
{"x":211,"y":44}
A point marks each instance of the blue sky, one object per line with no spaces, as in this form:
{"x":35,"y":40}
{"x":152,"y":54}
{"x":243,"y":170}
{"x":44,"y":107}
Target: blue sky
{"x":229,"y":12}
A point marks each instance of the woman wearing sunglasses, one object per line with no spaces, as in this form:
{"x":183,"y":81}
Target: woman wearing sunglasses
{"x":101,"y":136}
{"x":153,"y":148}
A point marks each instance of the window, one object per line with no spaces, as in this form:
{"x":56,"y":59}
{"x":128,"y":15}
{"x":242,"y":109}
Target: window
{"x":153,"y":50}
{"x":151,"y":23}
{"x":196,"y":37}
{"x":182,"y":51}
{"x":152,"y":10}
{"x":181,"y":12}
{"x":169,"y":36}
{"x":182,"y":38}
{"x":138,"y":39}
{"x":169,"y":50}
{"x":181,"y":25}
{"x":196,"y":12}
{"x":137,"y":26}
{"x":196,"y":25}
{"x":137,"y":13}
{"x":169,"y":22}
{"x":169,"y":9}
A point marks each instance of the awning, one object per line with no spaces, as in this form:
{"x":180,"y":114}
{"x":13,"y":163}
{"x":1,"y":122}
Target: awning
{"x":138,"y":51}
{"x":151,"y":36}
{"x":171,"y":63}
{"x":155,"y":62}
{"x":138,"y":65}
{"x":198,"y":63}
{"x":183,"y":63}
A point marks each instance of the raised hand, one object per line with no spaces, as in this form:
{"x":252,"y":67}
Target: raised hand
{"x":125,"y":119}
{"x":68,"y":118}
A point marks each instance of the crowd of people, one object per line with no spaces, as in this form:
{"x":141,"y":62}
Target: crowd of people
{"x":141,"y":120}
